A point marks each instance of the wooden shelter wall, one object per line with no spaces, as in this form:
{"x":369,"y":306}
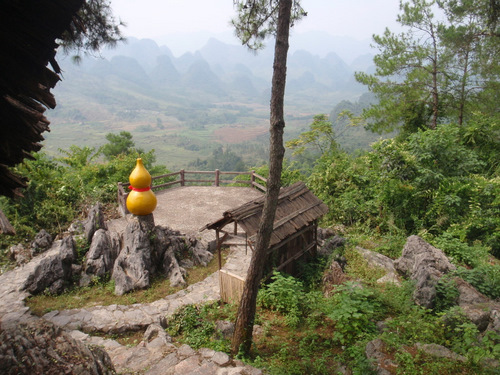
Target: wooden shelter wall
{"x":290,"y":250}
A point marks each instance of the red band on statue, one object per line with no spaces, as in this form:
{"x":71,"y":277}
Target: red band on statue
{"x":139,"y":190}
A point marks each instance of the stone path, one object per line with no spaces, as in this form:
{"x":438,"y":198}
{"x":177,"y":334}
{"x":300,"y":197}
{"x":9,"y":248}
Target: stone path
{"x":121,"y":318}
{"x":151,"y":356}
{"x":155,"y":354}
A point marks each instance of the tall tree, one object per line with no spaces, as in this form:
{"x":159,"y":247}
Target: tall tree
{"x":409,"y":69}
{"x":257,"y":19}
{"x":441,"y":69}
{"x":472,"y":36}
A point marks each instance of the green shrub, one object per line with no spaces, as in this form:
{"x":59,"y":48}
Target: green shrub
{"x":191,"y":324}
{"x":446,"y":293}
{"x":287,"y":295}
{"x":459,"y":251}
{"x":485,"y":278}
{"x":353,"y":309}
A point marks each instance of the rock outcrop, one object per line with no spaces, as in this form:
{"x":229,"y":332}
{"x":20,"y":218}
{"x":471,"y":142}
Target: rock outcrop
{"x":132,"y":268}
{"x":94,"y":221}
{"x":40,"y":347}
{"x":166,"y":244}
{"x":100,"y":258}
{"x":54,"y":272}
{"x":380,"y":261}
{"x":42,"y":242}
{"x":425,"y":264}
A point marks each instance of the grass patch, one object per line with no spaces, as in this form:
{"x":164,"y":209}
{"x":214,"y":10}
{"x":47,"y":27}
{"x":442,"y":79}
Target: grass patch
{"x":131,"y":338}
{"x":102,"y":293}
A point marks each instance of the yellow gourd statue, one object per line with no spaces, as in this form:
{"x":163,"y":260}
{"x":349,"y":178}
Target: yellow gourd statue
{"x":141,"y":200}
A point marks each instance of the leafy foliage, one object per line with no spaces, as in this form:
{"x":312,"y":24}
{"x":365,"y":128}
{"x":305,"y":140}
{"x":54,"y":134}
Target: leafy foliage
{"x":287,"y":295}
{"x":257,"y":20}
{"x":437,"y":69}
{"x":195,"y":326}
{"x":100,"y":28}
{"x":353,"y":309}
{"x":60,"y":189}
{"x":432,"y":182}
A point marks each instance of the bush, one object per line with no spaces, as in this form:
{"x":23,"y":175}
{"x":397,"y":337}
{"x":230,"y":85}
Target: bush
{"x":286,"y":295}
{"x":192,"y":324}
{"x":459,"y":251}
{"x":485,"y":278}
{"x":353,"y":309}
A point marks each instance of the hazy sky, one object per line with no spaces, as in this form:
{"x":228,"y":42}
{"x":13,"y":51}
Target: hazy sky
{"x":157,"y":19}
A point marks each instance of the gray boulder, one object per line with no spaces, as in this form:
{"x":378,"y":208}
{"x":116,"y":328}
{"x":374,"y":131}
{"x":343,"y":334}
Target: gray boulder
{"x":54,"y":270}
{"x":330,"y":244}
{"x":425,"y":264}
{"x":132,"y":268}
{"x":167,"y":243}
{"x":42,"y":242}
{"x":94,"y":221}
{"x":19,"y":254}
{"x":380,"y":261}
{"x":102,"y":253}
{"x":40,"y":347}
{"x":440,"y":351}
{"x":201,"y":256}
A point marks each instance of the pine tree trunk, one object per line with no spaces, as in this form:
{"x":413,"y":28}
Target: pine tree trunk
{"x":242,"y":338}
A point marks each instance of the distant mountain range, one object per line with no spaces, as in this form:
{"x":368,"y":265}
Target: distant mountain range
{"x":223,"y":72}
{"x":143,"y":88}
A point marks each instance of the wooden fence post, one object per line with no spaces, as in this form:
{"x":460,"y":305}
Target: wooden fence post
{"x":217,"y":176}
{"x":182,"y":177}
{"x":252,"y":179}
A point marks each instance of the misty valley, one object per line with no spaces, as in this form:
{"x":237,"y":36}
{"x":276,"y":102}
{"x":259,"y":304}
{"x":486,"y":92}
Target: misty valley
{"x":186,"y":108}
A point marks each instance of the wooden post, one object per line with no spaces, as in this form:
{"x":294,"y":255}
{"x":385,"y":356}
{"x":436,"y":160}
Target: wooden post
{"x":182,"y":177}
{"x":218,"y":247}
{"x":315,"y":237}
{"x":217,"y":177}
{"x":252,"y":179}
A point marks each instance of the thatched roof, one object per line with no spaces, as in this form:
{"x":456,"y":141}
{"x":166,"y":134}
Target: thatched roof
{"x":297,"y":208}
{"x":28,"y":33}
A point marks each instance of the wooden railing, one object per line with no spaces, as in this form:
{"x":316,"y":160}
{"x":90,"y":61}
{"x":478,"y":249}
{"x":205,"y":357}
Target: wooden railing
{"x":197,"y":179}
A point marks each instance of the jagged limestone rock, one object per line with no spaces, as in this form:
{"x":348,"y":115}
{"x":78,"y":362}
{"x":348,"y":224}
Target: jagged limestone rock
{"x":425,"y":264}
{"x":102,"y":253}
{"x":42,"y":242}
{"x":54,"y":271}
{"x":40,"y":347}
{"x":132,"y":267}
{"x":94,"y":221}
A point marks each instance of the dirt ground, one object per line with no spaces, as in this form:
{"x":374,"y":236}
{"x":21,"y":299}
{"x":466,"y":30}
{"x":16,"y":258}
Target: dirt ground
{"x":189,"y":208}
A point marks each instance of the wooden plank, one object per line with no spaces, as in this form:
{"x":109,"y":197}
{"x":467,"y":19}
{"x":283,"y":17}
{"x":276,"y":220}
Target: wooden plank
{"x":209,"y":181}
{"x":231,"y":286}
{"x":260,"y":177}
{"x":199,"y":172}
{"x":229,"y":273}
{"x":257,"y":185}
{"x":236,"y":173}
{"x":166,"y":175}
{"x":296,"y":256}
{"x":166,"y":184}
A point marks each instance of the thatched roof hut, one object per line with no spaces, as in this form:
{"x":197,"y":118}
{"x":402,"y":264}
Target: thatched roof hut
{"x":28,"y":34}
{"x":297,"y":208}
{"x":294,"y":235}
